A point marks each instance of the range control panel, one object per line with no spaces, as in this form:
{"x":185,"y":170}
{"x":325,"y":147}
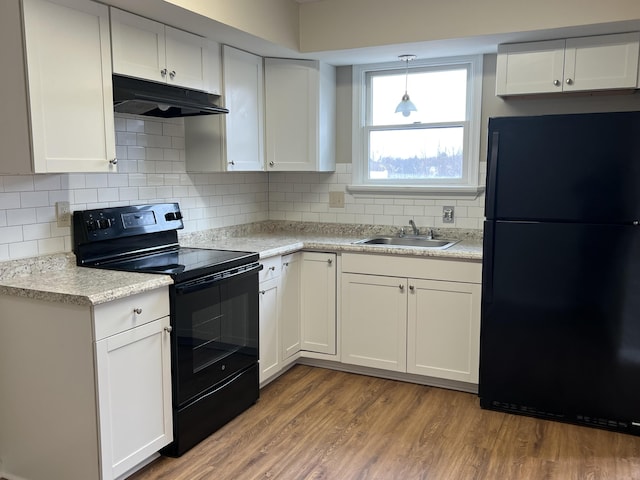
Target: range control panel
{"x":109,"y":223}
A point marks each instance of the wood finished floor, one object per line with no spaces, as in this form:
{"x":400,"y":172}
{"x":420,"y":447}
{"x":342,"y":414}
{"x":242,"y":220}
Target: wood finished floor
{"x":314,"y":423}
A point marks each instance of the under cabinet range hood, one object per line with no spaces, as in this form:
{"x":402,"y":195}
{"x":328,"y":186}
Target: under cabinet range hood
{"x":142,"y":97}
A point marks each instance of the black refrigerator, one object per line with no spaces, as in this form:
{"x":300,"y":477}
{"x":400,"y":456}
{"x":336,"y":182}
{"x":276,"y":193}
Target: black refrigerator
{"x":560,"y":331}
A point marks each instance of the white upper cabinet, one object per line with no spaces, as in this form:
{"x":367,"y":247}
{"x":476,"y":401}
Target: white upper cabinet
{"x":232,"y":142}
{"x":300,"y":113}
{"x":61,"y":104}
{"x":575,"y":64}
{"x":143,"y":48}
{"x":244,"y":97}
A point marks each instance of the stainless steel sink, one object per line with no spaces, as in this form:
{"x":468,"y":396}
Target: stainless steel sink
{"x":409,"y":241}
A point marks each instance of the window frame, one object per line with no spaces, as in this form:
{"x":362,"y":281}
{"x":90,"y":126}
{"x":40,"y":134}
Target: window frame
{"x":361,"y":113}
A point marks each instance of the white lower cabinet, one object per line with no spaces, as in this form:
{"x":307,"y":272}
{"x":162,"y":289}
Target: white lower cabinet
{"x":427,"y":324}
{"x":290,"y":313}
{"x":374,"y":321}
{"x":318,"y":302}
{"x":85,"y":391}
{"x":134,"y":395}
{"x":269,"y":341}
{"x":279,"y":314}
{"x":443,"y":329}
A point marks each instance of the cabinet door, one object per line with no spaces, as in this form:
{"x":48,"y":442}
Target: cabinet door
{"x":374,"y":321}
{"x":134,"y":395}
{"x":138,"y":46}
{"x":290,"y":303}
{"x":243,"y":85}
{"x":443,"y":329}
{"x":318,"y":307}
{"x":602,"y":62}
{"x":70,"y":90}
{"x":269,"y":342}
{"x":292,"y":102}
{"x":187,"y":59}
{"x":535,"y":67}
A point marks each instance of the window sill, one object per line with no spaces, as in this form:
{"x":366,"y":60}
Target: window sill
{"x":415,"y":190}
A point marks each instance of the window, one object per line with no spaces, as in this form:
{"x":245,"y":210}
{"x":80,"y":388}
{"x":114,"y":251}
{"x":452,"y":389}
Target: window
{"x":433,"y":150}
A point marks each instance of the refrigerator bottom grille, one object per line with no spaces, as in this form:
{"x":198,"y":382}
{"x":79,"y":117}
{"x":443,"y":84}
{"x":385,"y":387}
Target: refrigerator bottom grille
{"x":632,"y":428}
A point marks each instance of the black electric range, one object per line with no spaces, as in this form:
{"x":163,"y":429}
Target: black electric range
{"x":213,"y":310}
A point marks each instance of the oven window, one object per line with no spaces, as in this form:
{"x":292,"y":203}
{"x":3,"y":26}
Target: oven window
{"x":216,"y":334}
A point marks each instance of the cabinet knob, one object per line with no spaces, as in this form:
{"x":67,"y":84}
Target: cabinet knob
{"x":412,"y":288}
{"x":163,"y":72}
{"x":569,"y":81}
{"x":168,"y":329}
{"x":401,"y":287}
{"x":556,"y":83}
{"x":285,"y":264}
{"x":113,"y":161}
{"x":273,"y":269}
{"x":262,"y":292}
{"x":232,"y":162}
{"x":172,"y":74}
{"x":272,"y":163}
{"x":137,"y":311}
{"x":330,"y":261}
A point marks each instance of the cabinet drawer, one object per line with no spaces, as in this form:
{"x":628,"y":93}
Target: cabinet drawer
{"x":272,"y":267}
{"x":120,"y":315}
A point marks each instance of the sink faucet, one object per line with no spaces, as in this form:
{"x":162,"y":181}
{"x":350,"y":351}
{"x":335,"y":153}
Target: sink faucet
{"x":413,"y":225}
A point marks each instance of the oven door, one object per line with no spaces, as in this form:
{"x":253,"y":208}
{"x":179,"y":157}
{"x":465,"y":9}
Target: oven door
{"x":215,"y":334}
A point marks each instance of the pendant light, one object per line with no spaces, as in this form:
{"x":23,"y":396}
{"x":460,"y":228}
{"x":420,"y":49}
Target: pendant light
{"x":406,"y":106}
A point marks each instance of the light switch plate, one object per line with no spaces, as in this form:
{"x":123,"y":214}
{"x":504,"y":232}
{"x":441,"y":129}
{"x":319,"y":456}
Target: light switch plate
{"x":336,"y":199}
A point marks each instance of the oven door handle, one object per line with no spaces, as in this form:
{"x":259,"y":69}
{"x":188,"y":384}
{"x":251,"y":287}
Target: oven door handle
{"x":208,"y":281}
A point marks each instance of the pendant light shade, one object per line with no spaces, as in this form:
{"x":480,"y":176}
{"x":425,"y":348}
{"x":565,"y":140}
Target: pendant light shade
{"x":406,"y":106}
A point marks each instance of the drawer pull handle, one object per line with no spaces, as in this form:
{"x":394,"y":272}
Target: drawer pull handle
{"x":168,"y":329}
{"x":137,"y":311}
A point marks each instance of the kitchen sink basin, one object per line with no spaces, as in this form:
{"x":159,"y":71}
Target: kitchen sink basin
{"x":409,"y":241}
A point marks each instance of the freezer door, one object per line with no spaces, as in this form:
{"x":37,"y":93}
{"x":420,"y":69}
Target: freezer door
{"x":560,"y":328}
{"x":569,"y":168}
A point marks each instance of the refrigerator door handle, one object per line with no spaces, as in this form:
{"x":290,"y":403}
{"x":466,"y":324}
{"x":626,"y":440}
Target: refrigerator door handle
{"x":490,"y":204}
{"x":487,"y":262}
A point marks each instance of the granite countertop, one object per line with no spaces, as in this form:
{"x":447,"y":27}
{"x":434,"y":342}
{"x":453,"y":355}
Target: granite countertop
{"x":56,"y":277}
{"x":271,"y":244}
{"x":82,"y":286}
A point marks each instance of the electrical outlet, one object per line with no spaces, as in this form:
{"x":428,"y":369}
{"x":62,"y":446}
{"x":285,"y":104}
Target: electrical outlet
{"x":336,"y":199}
{"x":448,"y":214}
{"x":63,"y":214}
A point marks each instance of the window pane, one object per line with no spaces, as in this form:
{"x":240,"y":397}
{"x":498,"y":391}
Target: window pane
{"x":416,"y":154}
{"x":439,"y":96}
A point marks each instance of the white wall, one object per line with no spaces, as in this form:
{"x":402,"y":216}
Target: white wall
{"x":365,"y":23}
{"x":151,"y":168}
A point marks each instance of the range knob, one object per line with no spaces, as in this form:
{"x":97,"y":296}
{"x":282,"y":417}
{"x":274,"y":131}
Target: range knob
{"x":172,"y":216}
{"x":103,"y":223}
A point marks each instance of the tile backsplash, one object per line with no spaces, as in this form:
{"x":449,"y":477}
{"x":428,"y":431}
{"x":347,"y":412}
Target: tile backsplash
{"x":151,"y":168}
{"x":305,"y":197}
